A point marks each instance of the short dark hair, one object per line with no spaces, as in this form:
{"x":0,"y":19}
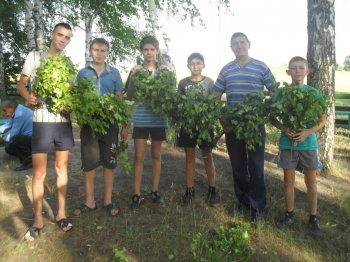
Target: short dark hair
{"x":239,"y":34}
{"x":298,"y":59}
{"x":65,"y":25}
{"x":149,"y":40}
{"x":9,"y":103}
{"x":101,"y":41}
{"x":195,"y":56}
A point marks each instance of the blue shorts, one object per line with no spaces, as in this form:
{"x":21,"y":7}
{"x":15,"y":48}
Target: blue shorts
{"x":156,"y":133}
{"x":48,"y":137}
{"x":97,"y":149}
{"x":299,"y":160}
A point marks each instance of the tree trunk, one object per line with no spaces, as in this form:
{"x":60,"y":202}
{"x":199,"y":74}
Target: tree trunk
{"x":39,"y":25}
{"x":164,"y":57}
{"x":2,"y":77}
{"x":321,"y":57}
{"x":88,"y":20}
{"x":29,"y":25}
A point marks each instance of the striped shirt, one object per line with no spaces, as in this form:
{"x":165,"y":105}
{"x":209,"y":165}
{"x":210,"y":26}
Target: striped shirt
{"x":142,"y":117}
{"x":238,"y":81}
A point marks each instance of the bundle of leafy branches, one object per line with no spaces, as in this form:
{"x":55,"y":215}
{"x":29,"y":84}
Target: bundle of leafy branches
{"x":199,"y":115}
{"x":298,"y":109}
{"x":100,"y":112}
{"x":245,"y":118}
{"x":53,"y":81}
{"x":158,"y":92}
{"x":196,"y":113}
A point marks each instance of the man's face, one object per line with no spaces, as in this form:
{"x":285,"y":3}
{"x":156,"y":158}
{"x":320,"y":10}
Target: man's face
{"x":60,"y":38}
{"x":240,"y":46}
{"x":149,"y":52}
{"x":99,"y":53}
{"x":8,"y":111}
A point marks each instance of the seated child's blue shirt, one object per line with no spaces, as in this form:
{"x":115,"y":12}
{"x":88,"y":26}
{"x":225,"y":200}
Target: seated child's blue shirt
{"x":310,"y":143}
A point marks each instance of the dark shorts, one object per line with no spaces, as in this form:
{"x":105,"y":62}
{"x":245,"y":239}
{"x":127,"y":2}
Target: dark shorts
{"x":99,"y":149}
{"x":52,"y":136}
{"x":156,"y":133}
{"x":299,"y":159}
{"x":185,"y":140}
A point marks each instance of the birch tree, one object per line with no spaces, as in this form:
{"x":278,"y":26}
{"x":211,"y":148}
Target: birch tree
{"x":29,"y":25}
{"x":2,"y":78}
{"x":39,"y":25}
{"x":321,"y":57}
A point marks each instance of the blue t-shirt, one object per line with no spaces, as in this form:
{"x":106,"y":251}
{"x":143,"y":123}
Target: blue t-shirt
{"x":19,"y":124}
{"x":238,"y":81}
{"x":310,"y":143}
{"x":109,"y":82}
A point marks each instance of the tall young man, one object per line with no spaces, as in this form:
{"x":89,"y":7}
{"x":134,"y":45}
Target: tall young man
{"x":50,"y":132}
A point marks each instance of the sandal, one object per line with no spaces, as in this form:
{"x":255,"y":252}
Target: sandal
{"x":65,"y":224}
{"x":32,"y":233}
{"x":83,"y":209}
{"x":110,"y":207}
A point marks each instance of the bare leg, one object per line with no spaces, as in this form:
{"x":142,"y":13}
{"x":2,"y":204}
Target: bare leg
{"x":39,"y":174}
{"x":289,"y":181}
{"x":140,"y":147}
{"x":108,"y":178}
{"x":156,"y":163}
{"x":310,"y":182}
{"x":89,"y":180}
{"x":61,"y":166}
{"x":190,"y":165}
{"x":209,"y":166}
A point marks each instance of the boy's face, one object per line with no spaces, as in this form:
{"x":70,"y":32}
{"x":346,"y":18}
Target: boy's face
{"x":240,"y":46}
{"x":8,"y":111}
{"x":298,"y":70}
{"x":99,"y":53}
{"x":196,"y":66}
{"x":60,"y":38}
{"x":149,"y":52}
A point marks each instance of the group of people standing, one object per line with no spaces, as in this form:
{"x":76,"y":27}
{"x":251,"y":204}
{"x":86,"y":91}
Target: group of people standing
{"x":244,"y":75}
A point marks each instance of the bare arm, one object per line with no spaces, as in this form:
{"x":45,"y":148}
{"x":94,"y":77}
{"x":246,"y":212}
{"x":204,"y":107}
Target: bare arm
{"x":301,"y":135}
{"x":21,"y":87}
{"x":280,"y":126}
{"x":124,"y":130}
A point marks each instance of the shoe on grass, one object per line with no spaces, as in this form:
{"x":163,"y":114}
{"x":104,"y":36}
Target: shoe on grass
{"x":286,"y":221}
{"x":315,"y":229}
{"x":188,"y":197}
{"x":212,"y":197}
{"x":156,"y":197}
{"x":135,"y":201}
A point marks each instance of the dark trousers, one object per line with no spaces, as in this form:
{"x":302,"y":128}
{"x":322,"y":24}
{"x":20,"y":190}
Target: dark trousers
{"x":248,"y":171}
{"x":21,"y":147}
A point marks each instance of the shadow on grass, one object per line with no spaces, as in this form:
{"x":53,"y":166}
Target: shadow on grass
{"x":153,"y":232}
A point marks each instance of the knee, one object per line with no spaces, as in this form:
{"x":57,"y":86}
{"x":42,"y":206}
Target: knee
{"x":289,"y":183}
{"x":139,"y":157}
{"x":156,"y":156}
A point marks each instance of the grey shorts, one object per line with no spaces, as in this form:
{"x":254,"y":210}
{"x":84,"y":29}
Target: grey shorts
{"x":51,"y":136}
{"x":299,"y":159}
{"x":98,"y":149}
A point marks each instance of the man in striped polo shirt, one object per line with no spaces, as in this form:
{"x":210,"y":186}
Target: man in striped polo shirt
{"x":243,"y":76}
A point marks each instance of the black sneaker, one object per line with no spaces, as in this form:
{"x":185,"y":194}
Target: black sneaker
{"x":286,"y":221}
{"x":156,"y":198}
{"x":212,"y":197}
{"x":136,"y":201}
{"x":188,"y":196}
{"x":315,"y":229}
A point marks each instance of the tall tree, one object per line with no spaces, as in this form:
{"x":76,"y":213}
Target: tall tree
{"x":321,"y":57}
{"x":29,"y":25}
{"x":39,"y":25}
